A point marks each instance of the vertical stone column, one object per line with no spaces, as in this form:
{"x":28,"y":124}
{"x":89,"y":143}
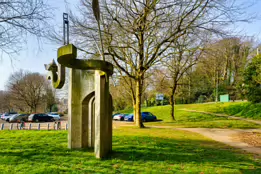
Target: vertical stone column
{"x":74,"y":110}
{"x":91,"y":124}
{"x":85,"y":122}
{"x":102,"y":146}
{"x":110,"y":122}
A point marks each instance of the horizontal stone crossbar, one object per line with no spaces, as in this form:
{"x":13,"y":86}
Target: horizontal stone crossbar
{"x":67,"y":57}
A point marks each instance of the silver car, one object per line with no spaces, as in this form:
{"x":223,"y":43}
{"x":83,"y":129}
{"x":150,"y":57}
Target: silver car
{"x":55,"y":115}
{"x":7,"y":116}
{"x":18,"y":118}
{"x":119,"y":117}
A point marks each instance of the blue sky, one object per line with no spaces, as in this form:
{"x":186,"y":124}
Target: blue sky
{"x":34,"y":55}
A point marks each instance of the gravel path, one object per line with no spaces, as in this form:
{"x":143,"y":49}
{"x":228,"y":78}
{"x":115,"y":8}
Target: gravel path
{"x":225,"y":136}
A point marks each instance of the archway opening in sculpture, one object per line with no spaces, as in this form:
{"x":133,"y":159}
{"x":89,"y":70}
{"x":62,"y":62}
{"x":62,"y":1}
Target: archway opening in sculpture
{"x":88,"y":120}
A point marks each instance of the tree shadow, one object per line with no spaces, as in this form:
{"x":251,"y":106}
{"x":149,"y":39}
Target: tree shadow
{"x":182,"y":151}
{"x":140,"y":149}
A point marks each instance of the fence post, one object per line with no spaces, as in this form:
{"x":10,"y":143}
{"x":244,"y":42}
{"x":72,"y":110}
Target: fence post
{"x":30,"y":126}
{"x":22,"y":125}
{"x":58,"y":125}
{"x":39,"y":126}
{"x":66,"y":126}
{"x":11,"y":126}
{"x":2,"y":126}
{"x":48,"y":126}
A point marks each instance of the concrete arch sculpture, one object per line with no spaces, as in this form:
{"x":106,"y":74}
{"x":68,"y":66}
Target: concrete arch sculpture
{"x":89,"y":100}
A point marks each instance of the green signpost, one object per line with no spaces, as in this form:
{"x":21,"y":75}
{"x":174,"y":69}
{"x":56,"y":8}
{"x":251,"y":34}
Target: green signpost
{"x":224,"y":98}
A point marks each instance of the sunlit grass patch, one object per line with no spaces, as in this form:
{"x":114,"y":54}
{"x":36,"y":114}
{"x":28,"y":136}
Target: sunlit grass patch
{"x":135,"y":150}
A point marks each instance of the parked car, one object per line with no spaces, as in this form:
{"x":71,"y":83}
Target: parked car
{"x":18,"y":118}
{"x":145,"y":116}
{"x":55,"y":115}
{"x":119,"y":117}
{"x":40,"y":117}
{"x":128,"y":117}
{"x":7,"y":115}
{"x":4,"y":115}
{"x":115,"y":114}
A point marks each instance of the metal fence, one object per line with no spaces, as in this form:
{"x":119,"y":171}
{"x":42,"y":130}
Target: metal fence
{"x":34,"y":126}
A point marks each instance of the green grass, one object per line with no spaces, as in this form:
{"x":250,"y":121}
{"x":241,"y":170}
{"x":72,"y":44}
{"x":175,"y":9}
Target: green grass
{"x":246,"y":110}
{"x":134,"y":151}
{"x":241,"y":109}
{"x":192,"y":119}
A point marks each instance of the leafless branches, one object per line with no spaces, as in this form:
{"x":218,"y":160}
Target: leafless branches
{"x":27,"y":88}
{"x":20,"y":18}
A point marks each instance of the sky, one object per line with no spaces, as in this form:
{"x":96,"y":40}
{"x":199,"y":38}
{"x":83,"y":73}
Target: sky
{"x":35,"y":55}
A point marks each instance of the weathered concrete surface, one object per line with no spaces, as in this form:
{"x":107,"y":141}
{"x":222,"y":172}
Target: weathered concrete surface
{"x":81,"y":86}
{"x":89,"y":100}
{"x":91,"y":124}
{"x":103,"y":121}
{"x":56,"y":74}
{"x":89,"y":112}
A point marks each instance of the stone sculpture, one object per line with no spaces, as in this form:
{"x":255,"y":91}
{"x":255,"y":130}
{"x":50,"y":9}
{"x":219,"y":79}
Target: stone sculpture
{"x":89,"y":100}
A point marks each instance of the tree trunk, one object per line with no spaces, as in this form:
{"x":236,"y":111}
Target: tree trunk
{"x":138,"y":119}
{"x":134,"y":111}
{"x":217,"y":89}
{"x":34,"y":108}
{"x":172,"y":99}
{"x":134,"y":105}
{"x":172,"y":104}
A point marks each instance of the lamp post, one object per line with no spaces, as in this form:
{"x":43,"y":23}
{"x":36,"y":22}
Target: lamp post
{"x":96,"y":12}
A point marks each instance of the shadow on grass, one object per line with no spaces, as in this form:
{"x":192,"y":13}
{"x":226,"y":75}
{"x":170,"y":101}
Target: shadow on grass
{"x":160,"y":149}
{"x":143,"y":151}
{"x":158,"y":120}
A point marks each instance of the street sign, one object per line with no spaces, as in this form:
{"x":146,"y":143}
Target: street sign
{"x":159,"y":96}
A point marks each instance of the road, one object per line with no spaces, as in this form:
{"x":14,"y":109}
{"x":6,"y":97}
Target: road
{"x":52,"y":125}
{"x":43,"y":125}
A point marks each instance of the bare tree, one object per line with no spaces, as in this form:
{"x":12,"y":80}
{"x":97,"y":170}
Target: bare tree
{"x":137,"y":33}
{"x":50,"y":97}
{"x":18,"y":18}
{"x":27,"y":88}
{"x":223,"y":62}
{"x":183,"y":55}
{"x":5,"y":103}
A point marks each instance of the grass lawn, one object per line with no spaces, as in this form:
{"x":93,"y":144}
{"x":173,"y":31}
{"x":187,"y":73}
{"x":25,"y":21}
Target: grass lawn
{"x":190,"y":119}
{"x":134,"y":151}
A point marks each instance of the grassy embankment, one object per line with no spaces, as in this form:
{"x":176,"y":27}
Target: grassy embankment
{"x":191,"y":119}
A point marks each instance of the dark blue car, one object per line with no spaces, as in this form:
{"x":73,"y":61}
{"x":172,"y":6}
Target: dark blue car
{"x":146,"y":116}
{"x":128,"y":117}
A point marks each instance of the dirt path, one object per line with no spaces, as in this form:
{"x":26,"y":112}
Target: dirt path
{"x":225,"y":136}
{"x":224,"y":115}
